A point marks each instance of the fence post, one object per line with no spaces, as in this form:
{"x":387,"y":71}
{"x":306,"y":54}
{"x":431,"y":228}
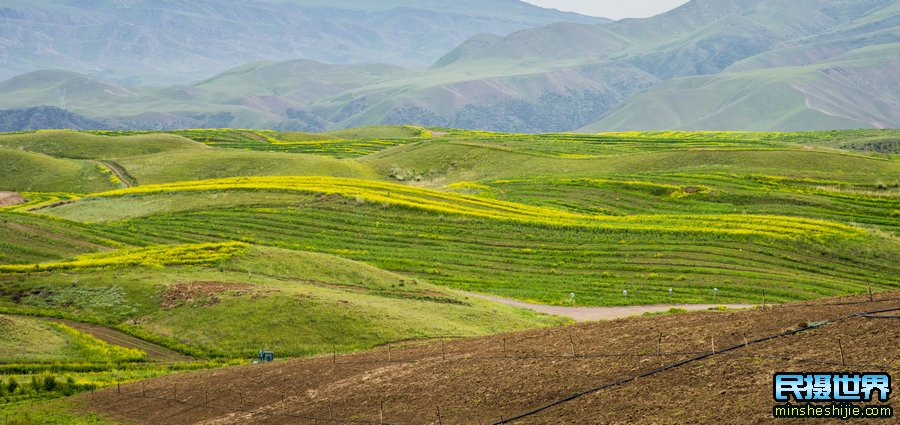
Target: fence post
{"x":241,"y":396}
{"x":572,"y":341}
{"x":443,"y":351}
{"x":334,"y":354}
{"x":659,"y":344}
{"x":841,"y":347}
{"x":175,"y":392}
{"x":871,"y":297}
{"x":381,"y":412}
{"x":440,"y":419}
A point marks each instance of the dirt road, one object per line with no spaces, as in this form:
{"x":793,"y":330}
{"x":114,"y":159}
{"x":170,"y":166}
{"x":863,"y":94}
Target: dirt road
{"x":125,"y":179}
{"x":155,"y":353}
{"x":590,"y":314}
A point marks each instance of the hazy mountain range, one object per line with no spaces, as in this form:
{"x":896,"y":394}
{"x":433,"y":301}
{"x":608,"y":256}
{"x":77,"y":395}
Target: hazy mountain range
{"x":163,"y":42}
{"x":710,"y":64}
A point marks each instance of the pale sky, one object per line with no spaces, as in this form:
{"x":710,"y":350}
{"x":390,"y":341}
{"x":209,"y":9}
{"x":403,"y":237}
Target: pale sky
{"x":613,"y":9}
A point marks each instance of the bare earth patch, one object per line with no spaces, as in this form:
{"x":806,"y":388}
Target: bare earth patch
{"x":590,"y":314}
{"x":8,"y":199}
{"x":206,"y":293}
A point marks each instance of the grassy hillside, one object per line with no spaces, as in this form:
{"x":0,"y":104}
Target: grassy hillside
{"x":231,"y":300}
{"x":205,"y":164}
{"x":444,"y":163}
{"x":222,"y":245}
{"x":79,"y":145}
{"x":31,"y":340}
{"x":349,"y":143}
{"x":643,"y":235}
{"x":33,"y":172}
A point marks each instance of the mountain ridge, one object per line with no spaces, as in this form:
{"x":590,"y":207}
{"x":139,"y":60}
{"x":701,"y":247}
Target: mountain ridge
{"x":725,"y":65}
{"x":174,"y":41}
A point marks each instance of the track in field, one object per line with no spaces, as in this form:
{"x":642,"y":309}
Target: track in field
{"x":155,"y":353}
{"x":588,"y":314}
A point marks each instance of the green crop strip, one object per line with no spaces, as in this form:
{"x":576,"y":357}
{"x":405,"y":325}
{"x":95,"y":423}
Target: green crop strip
{"x":195,"y":254}
{"x":452,"y":203}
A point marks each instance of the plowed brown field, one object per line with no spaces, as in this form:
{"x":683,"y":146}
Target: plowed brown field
{"x":484,"y":380}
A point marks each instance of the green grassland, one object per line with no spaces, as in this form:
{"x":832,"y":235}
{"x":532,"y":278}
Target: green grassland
{"x":195,"y":165}
{"x":25,"y":171}
{"x":32,"y":340}
{"x":347,"y":143}
{"x":230,"y":303}
{"x":78,"y":145}
{"x":218,"y":242}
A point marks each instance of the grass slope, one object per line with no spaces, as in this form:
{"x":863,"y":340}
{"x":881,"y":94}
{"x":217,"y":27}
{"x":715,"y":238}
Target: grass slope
{"x":296,"y":303}
{"x":220,"y":251}
{"x":31,"y":340}
{"x":497,"y":247}
{"x":438,"y":164}
{"x":79,"y":145}
{"x":205,"y":164}
{"x":33,"y":172}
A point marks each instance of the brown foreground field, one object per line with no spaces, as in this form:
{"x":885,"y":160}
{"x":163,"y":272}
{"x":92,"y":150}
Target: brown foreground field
{"x":725,"y":376}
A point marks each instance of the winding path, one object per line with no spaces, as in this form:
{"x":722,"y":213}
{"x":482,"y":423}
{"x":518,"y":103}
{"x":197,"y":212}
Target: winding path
{"x":589,"y":314}
{"x":155,"y":353}
{"x":125,"y":179}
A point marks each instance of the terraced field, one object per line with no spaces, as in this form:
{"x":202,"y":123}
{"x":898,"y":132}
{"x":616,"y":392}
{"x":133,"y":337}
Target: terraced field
{"x":217,"y":243}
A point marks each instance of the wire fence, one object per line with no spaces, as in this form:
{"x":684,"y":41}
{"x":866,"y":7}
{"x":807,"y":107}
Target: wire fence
{"x":684,"y":362}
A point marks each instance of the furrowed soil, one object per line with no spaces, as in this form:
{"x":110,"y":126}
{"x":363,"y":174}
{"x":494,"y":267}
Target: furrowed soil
{"x":483,"y":380}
